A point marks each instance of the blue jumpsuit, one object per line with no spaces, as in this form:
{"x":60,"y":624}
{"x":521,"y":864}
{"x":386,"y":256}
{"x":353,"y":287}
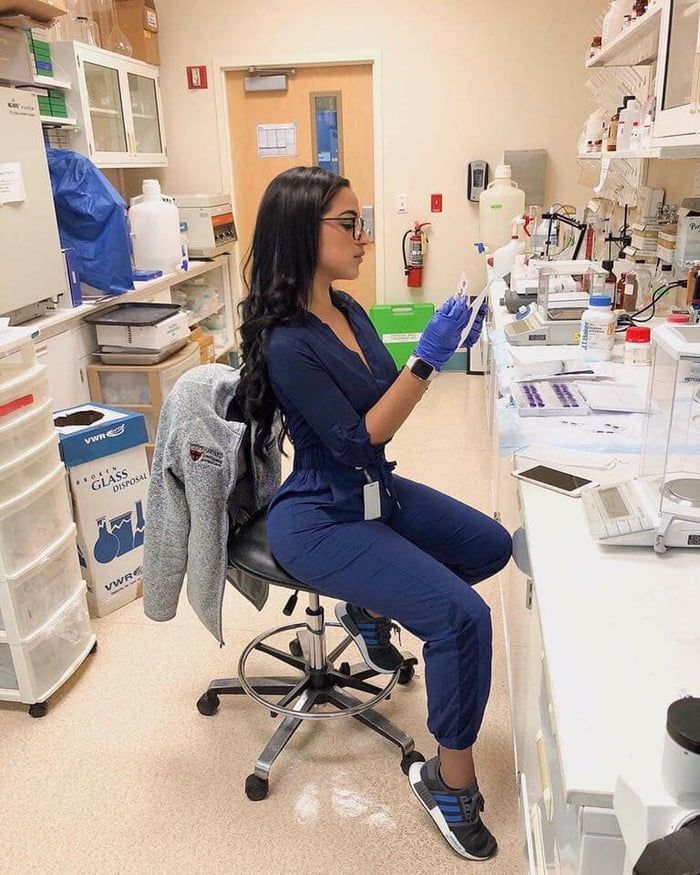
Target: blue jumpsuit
{"x":411,"y":563}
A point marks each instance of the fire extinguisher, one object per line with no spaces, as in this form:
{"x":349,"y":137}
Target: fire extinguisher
{"x":414,"y":258}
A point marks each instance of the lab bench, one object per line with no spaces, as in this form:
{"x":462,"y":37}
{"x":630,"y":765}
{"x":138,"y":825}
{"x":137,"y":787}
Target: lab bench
{"x":599,"y":641}
{"x":66,"y":343}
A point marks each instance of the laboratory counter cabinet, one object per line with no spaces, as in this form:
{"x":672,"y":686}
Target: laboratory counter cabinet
{"x":599,"y":641}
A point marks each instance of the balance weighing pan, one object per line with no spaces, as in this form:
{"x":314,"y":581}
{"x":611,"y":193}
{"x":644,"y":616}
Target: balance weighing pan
{"x":683,"y":490}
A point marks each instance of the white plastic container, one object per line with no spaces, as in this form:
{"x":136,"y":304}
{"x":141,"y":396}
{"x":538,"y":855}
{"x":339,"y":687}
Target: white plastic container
{"x":34,"y":464}
{"x":27,"y":430}
{"x":33,"y":522}
{"x":30,"y":388}
{"x":17,"y":353}
{"x":39,"y":666}
{"x":630,"y":116}
{"x":598,"y":324}
{"x":35,"y":595}
{"x":155,"y":230}
{"x":681,"y":760}
{"x":498,"y":206}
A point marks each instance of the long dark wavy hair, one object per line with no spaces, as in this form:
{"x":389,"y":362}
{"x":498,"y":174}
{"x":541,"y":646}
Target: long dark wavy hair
{"x":278,"y":274}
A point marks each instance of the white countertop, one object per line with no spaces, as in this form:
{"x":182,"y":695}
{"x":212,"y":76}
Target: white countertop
{"x":620,"y":628}
{"x":63,"y":319}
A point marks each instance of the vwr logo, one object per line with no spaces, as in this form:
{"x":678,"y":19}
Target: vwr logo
{"x":117,"y":431}
{"x":124,"y":580}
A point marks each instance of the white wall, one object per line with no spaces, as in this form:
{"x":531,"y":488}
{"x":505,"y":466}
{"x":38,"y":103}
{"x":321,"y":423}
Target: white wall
{"x":462,"y":79}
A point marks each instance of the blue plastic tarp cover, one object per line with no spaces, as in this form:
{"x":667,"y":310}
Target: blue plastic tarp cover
{"x":91,"y":217}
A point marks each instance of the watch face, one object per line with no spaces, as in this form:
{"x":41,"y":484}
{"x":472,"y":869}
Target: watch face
{"x":422,"y":369}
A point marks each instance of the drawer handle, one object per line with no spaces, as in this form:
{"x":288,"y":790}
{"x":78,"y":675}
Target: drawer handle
{"x":544,"y":777}
{"x":538,"y":841}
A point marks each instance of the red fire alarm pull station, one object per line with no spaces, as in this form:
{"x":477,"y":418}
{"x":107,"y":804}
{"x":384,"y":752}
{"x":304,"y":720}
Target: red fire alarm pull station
{"x":197,"y":77}
{"x":435,"y":203}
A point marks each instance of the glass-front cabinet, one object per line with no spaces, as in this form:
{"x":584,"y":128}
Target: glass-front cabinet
{"x":118,"y":106}
{"x":678,"y":71}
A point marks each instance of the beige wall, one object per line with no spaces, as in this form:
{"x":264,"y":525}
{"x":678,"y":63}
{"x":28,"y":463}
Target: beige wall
{"x":462,"y":79}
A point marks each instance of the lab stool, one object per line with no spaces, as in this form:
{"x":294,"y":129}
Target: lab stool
{"x":319,"y":683}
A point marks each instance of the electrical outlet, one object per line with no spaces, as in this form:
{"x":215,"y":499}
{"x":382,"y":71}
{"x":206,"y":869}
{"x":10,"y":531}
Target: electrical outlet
{"x":401,"y":203}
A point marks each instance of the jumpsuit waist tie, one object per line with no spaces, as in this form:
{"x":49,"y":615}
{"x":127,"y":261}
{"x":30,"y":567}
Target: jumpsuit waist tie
{"x":316,"y":456}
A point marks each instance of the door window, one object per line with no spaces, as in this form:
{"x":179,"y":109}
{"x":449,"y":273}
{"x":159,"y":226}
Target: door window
{"x":326,"y":126}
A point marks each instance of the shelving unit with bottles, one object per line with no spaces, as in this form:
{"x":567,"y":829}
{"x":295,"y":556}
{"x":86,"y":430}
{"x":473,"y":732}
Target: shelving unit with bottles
{"x":117,"y":104}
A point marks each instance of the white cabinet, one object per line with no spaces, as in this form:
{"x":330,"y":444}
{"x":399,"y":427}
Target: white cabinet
{"x":67,"y":383}
{"x":117,"y":103}
{"x":678,"y":71}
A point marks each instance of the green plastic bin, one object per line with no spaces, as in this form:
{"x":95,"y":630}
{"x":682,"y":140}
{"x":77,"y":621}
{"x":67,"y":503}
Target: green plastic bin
{"x":399,"y":326}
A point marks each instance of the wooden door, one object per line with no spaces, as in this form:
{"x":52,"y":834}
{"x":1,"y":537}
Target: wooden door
{"x":251,"y":174}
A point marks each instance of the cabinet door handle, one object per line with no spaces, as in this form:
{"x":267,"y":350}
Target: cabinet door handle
{"x":544,"y":777}
{"x":695,"y":93}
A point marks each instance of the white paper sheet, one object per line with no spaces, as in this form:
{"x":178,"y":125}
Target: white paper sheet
{"x":275,"y":141}
{"x":11,"y":183}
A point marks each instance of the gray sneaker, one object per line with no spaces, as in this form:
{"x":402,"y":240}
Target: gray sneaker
{"x":372,"y":636}
{"x":456,"y":813}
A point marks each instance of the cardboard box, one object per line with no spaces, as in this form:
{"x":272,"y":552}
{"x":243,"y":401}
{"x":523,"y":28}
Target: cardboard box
{"x":103,"y":449}
{"x":39,"y":10}
{"x":139,"y":21}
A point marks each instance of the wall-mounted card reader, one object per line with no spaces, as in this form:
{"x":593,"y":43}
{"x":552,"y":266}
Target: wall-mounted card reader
{"x":477,"y":179}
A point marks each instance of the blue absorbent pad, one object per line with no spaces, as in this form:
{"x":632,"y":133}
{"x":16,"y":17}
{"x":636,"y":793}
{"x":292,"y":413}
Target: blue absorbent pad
{"x":91,"y":217}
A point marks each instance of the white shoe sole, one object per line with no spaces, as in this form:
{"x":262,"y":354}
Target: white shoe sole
{"x":414,"y":779}
{"x":347,"y":622}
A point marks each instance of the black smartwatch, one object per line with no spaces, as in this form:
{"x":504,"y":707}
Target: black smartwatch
{"x":421,"y":369}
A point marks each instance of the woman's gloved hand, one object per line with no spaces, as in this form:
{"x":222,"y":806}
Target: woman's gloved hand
{"x":475,"y":330}
{"x":441,"y":335}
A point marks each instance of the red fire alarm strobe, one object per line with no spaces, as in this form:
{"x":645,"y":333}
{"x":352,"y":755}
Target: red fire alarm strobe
{"x":197,"y":77}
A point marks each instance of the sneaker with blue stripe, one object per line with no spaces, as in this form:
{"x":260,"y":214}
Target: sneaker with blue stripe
{"x":456,"y":813}
{"x":372,"y":636}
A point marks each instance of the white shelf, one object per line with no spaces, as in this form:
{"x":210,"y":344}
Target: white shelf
{"x":58,"y":121}
{"x":143,"y":115}
{"x":628,"y":47}
{"x":619,"y":153}
{"x":50,"y":82}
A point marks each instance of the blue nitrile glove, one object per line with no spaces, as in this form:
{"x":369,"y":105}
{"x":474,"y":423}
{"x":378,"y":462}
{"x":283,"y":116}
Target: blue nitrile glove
{"x":440,"y":338}
{"x":475,"y":330}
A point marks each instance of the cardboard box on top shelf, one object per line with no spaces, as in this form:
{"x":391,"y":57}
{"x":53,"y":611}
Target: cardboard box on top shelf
{"x":139,"y":21}
{"x":37,"y":10}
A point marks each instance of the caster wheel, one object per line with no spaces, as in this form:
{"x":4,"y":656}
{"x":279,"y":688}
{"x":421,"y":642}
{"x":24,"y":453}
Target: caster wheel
{"x":406,"y":674}
{"x":208,"y":704}
{"x":410,"y":758}
{"x":344,"y":668}
{"x":256,"y":788}
{"x":39,"y":709}
{"x":93,"y":649}
{"x":295,"y":647}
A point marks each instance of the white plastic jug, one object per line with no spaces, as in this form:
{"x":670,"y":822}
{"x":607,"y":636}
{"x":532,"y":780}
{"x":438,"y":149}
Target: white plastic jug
{"x":498,"y":206}
{"x":155,"y":230}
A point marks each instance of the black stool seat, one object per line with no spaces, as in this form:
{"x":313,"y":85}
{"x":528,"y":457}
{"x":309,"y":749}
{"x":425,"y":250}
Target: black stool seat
{"x":249,"y":551}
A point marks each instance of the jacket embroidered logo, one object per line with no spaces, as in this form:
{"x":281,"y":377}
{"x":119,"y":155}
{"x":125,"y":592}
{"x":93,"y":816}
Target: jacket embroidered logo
{"x":196,"y":453}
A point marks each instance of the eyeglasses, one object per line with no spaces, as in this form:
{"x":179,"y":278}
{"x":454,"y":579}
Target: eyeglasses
{"x":354,"y":224}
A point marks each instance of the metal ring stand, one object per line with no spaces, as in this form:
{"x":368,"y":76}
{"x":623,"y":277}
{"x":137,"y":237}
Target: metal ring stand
{"x":291,"y":712}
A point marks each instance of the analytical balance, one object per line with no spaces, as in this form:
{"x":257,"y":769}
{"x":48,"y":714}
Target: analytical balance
{"x":563,"y":290}
{"x":661,"y":507}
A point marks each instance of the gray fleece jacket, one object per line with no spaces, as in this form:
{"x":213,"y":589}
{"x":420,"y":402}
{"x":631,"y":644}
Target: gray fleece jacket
{"x":193,"y":489}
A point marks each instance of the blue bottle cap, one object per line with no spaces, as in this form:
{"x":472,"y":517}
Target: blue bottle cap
{"x":600,"y":301}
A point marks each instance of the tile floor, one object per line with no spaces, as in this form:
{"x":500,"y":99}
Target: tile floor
{"x":124,"y":776}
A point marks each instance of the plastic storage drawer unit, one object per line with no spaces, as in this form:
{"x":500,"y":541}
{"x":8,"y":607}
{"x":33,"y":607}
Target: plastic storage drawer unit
{"x":33,"y":522}
{"x":28,"y":389}
{"x":35,"y":464}
{"x":140,"y":384}
{"x":37,"y":593}
{"x":51,"y":655}
{"x":27,"y":430}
